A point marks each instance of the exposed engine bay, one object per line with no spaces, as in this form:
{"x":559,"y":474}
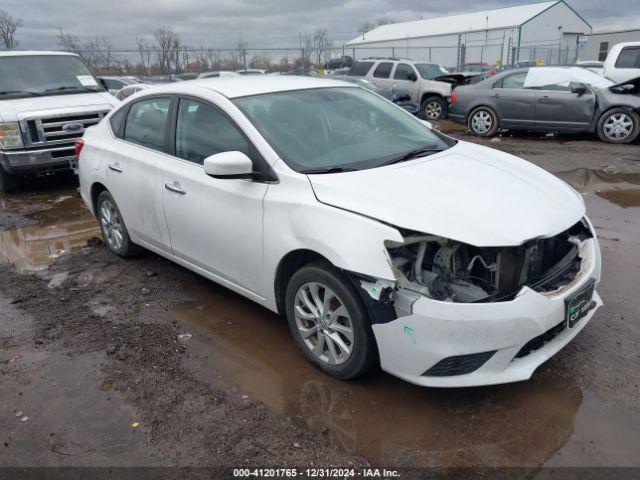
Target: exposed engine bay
{"x":452,"y":271}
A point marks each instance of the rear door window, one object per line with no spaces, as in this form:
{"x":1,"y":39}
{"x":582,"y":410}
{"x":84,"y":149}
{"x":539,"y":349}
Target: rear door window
{"x":147,"y":123}
{"x":629,"y":58}
{"x":404,"y":72}
{"x":360,"y":69}
{"x":512,"y":82}
{"x":383,"y":70}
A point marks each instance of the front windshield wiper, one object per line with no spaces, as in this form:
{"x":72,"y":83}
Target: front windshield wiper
{"x":418,"y":152}
{"x":20,"y":92}
{"x":328,"y":170}
{"x":64,"y":89}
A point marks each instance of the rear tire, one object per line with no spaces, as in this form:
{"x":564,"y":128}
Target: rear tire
{"x":8,"y":183}
{"x":329,"y":322}
{"x":114,"y":231}
{"x":483,"y":122}
{"x":433,"y":108}
{"x":619,"y":125}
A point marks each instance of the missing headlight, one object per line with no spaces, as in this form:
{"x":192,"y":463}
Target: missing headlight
{"x":452,"y":271}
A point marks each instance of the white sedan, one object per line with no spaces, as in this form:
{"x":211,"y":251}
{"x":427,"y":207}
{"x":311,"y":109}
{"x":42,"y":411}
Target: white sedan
{"x":381,"y":240}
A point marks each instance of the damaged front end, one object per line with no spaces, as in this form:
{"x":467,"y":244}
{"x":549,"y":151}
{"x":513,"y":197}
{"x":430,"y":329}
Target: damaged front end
{"x":451,"y":271}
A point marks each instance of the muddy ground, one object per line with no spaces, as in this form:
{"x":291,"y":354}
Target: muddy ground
{"x":111,"y":362}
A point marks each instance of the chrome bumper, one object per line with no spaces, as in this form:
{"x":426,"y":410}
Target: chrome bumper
{"x":34,"y":161}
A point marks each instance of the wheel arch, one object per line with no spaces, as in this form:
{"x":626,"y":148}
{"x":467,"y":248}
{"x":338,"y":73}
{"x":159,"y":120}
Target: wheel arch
{"x":96,"y":189}
{"x":288,"y":265}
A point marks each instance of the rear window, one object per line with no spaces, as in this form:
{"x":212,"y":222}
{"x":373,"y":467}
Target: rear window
{"x":629,"y":58}
{"x":360,"y":69}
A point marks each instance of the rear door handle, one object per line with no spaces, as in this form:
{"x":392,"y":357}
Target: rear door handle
{"x":174,"y":188}
{"x":495,"y":95}
{"x":115,"y":167}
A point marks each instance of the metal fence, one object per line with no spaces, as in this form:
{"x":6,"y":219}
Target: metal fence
{"x":158,"y":62}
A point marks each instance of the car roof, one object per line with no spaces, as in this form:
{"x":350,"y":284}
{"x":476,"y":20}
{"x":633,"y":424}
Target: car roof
{"x":24,"y":53}
{"x":242,"y":86}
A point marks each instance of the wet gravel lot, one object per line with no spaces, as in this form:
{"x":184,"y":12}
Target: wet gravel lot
{"x":107,"y":362}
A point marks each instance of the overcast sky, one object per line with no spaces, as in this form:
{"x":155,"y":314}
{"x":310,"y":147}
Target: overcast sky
{"x":260,"y":23}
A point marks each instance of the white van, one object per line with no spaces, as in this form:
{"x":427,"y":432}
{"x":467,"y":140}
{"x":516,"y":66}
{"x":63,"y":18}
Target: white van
{"x":47,"y":100}
{"x":623,"y":62}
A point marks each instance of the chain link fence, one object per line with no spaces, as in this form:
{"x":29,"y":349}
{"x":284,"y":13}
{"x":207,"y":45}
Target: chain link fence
{"x":145,"y":62}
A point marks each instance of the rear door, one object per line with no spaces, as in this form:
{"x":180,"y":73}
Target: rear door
{"x":381,"y":75}
{"x":134,"y":169}
{"x":405,"y":78}
{"x":514,"y":104}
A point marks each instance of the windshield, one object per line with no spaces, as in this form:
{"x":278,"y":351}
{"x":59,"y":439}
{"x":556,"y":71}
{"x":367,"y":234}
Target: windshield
{"x":431,"y":70}
{"x":34,"y":75}
{"x":340,"y":128}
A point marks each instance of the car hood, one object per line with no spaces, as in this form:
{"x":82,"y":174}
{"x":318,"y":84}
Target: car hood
{"x":15,"y":109}
{"x":468,"y":193}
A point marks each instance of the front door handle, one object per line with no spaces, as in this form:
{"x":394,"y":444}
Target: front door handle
{"x":174,"y":188}
{"x":115,"y":167}
{"x":495,"y":95}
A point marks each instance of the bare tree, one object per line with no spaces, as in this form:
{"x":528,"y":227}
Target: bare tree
{"x":368,"y":26}
{"x":144,"y":50}
{"x":8,"y":28}
{"x":308,"y":47}
{"x":214,"y":59}
{"x":322,"y":45}
{"x":167,"y":49}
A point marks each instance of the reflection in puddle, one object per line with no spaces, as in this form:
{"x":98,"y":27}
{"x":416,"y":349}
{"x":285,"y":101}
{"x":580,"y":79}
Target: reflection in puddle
{"x":620,"y":188}
{"x":62,"y":225}
{"x":386,"y":420}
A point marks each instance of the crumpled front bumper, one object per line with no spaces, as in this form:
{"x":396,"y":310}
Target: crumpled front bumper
{"x":432,"y":331}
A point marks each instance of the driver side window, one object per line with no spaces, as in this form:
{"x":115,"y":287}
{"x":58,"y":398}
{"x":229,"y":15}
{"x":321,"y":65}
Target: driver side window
{"x":203,"y":130}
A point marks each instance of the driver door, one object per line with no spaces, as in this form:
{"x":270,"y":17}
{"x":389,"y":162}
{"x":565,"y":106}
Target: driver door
{"x":214,"y":223}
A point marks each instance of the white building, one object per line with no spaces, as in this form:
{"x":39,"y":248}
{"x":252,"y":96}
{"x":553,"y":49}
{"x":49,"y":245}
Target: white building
{"x":597,"y":45}
{"x":547,"y":32}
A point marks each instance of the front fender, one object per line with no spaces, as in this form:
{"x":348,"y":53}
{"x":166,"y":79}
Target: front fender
{"x":294,"y":219}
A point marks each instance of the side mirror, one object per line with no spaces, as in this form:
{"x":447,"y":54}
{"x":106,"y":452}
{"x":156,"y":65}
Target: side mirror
{"x":103,"y":84}
{"x":578,"y":88}
{"x":413,"y":77}
{"x":427,"y":123}
{"x":229,"y":165}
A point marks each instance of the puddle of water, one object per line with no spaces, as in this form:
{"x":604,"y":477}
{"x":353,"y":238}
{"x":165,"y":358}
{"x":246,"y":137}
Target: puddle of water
{"x":619,"y":188}
{"x":390,"y":422}
{"x":61,"y":224}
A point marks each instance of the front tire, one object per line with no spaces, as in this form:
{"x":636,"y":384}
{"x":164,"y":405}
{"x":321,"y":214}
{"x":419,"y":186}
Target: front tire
{"x":329,"y":322}
{"x":483,"y":122}
{"x":8,"y":183}
{"x":433,"y":108}
{"x":619,"y":125}
{"x":114,"y":231}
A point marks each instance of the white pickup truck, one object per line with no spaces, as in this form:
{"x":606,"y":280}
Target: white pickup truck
{"x":47,"y":99}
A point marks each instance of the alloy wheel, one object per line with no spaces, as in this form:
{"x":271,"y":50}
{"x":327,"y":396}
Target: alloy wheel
{"x":481,"y":122}
{"x":433,"y":110}
{"x":323,"y":323}
{"x":618,"y":126}
{"x":111,"y":225}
